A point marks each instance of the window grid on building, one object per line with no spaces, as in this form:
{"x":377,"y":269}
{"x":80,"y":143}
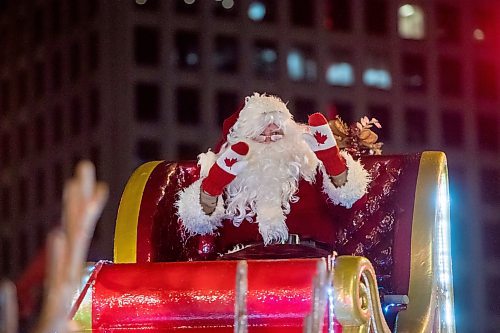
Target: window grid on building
{"x":369,"y":57}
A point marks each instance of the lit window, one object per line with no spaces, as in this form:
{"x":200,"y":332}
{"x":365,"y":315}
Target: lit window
{"x":188,"y":50}
{"x":301,"y":65}
{"x":340,"y":74}
{"x":377,"y":78}
{"x":256,"y":11}
{"x":411,"y":22}
{"x":262,"y":11}
{"x":266,"y":59}
{"x":377,"y":74}
{"x":339,"y":69}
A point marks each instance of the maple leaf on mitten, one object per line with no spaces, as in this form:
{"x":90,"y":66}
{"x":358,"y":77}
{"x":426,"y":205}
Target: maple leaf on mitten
{"x":225,"y":169}
{"x":320,"y":138}
{"x":230,"y":161}
{"x":326,"y":149}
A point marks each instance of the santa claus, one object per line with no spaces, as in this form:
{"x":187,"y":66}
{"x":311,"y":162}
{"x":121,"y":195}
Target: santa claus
{"x":255,"y":175}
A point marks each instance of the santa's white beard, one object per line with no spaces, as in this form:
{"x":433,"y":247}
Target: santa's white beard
{"x":264,"y":190}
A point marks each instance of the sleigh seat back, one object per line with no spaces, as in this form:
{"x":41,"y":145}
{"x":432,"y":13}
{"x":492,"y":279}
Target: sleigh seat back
{"x":397,"y":227}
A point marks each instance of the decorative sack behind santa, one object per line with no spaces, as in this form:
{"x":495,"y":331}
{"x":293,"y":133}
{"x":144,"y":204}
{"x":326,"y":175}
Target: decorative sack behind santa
{"x":261,"y":184}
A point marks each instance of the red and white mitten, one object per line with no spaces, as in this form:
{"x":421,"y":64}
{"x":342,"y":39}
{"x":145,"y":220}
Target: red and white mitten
{"x":225,"y":169}
{"x":325,"y":145}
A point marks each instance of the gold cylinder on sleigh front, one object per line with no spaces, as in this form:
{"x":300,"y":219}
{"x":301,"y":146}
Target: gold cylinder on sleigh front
{"x":430,"y":308}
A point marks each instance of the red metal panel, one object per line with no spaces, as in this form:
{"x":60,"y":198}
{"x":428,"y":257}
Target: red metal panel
{"x":200,"y":295}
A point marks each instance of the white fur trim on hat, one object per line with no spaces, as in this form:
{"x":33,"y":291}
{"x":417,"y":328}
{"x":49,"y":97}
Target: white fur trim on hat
{"x":189,"y":210}
{"x":260,"y":110}
{"x":355,"y":186}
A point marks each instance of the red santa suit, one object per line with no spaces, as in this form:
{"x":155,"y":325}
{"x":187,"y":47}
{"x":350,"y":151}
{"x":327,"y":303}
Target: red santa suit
{"x":283,"y":187}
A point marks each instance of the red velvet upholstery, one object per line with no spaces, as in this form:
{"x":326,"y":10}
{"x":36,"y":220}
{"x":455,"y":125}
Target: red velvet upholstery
{"x":380,"y":228}
{"x":377,"y":227}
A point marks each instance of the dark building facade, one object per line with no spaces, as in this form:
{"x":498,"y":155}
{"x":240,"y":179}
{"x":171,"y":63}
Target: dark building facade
{"x":123,"y":82}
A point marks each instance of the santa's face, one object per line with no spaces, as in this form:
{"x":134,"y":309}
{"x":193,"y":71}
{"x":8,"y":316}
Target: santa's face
{"x":271,"y":133}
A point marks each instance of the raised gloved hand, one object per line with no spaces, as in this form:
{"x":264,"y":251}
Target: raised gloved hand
{"x":225,"y":169}
{"x":323,"y":143}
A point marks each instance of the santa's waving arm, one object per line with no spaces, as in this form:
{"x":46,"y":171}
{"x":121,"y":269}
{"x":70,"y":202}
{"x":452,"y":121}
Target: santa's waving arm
{"x":199,"y":206}
{"x":344,"y":180}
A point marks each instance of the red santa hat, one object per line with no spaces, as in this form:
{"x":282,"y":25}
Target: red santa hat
{"x":259,"y":111}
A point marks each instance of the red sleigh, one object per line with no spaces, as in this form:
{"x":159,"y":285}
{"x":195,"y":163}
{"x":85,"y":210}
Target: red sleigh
{"x":393,"y":247}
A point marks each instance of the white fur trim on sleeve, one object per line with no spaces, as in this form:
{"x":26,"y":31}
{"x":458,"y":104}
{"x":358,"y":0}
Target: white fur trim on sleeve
{"x":189,"y":210}
{"x":205,"y":161}
{"x":355,"y":186}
